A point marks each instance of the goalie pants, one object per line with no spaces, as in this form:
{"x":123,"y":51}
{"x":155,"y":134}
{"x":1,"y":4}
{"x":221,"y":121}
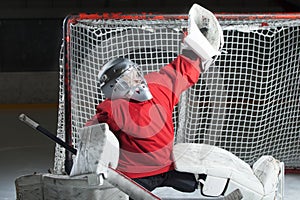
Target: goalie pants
{"x":182,"y":181}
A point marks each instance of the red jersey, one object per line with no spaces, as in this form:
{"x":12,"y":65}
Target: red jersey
{"x":145,"y":129}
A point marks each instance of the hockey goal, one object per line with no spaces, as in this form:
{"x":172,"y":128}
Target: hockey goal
{"x":247,"y":103}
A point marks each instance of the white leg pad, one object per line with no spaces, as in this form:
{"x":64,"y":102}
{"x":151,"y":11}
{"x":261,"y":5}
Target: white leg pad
{"x":267,"y":169}
{"x":221,"y":167}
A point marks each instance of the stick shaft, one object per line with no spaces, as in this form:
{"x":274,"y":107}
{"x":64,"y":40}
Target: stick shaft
{"x":44,"y":131}
{"x":128,"y":186}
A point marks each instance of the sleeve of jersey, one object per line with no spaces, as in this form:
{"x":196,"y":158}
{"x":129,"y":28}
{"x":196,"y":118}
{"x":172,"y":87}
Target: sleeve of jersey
{"x":103,"y":115}
{"x":177,"y":76}
{"x":187,"y":69}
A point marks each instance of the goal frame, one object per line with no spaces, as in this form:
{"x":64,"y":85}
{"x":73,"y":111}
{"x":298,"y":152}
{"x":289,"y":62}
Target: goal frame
{"x":143,"y":16}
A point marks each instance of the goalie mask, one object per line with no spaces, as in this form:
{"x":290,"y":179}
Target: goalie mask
{"x":121,"y":78}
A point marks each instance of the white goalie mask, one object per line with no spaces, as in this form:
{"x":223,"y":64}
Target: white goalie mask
{"x":121,"y":78}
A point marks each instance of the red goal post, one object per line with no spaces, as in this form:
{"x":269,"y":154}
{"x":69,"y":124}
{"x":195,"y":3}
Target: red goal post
{"x":247,"y":103}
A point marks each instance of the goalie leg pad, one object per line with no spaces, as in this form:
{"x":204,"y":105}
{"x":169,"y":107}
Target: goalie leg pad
{"x":268,"y":170}
{"x":220,"y":165}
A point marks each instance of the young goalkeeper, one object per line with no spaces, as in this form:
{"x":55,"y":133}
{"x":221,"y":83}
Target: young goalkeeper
{"x":138,"y":109}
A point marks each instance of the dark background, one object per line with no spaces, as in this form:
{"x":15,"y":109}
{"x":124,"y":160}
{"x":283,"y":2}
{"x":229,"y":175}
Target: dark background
{"x":31,"y":30}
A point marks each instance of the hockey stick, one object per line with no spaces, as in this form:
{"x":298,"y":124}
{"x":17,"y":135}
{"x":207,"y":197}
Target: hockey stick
{"x":118,"y":180}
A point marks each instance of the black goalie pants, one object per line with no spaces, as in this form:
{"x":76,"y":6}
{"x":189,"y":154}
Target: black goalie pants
{"x":181,"y":181}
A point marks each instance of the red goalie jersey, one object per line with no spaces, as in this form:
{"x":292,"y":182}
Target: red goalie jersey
{"x":145,"y":129}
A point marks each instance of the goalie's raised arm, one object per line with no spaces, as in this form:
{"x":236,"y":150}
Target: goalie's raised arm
{"x":205,"y":36}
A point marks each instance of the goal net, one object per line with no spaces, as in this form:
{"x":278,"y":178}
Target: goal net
{"x":247,"y":103}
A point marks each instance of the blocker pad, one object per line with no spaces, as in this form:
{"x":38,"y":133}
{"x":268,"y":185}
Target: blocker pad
{"x":98,"y":149}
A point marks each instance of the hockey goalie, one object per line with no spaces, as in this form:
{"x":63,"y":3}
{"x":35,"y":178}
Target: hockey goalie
{"x":127,"y":149}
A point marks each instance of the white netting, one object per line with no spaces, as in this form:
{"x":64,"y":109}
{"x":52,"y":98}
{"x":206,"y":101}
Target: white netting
{"x":248,"y":103}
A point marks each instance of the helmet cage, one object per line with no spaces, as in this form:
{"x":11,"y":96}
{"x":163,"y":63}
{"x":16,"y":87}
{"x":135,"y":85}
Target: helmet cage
{"x":123,"y":79}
